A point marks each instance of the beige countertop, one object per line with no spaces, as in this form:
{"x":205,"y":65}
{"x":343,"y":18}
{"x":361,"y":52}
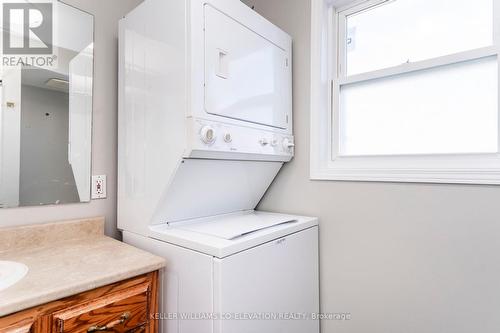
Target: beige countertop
{"x":67,"y":258}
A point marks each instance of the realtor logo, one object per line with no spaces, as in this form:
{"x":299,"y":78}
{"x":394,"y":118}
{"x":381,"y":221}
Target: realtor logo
{"x":27,"y":28}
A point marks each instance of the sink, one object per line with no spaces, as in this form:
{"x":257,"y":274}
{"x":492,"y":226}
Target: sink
{"x":10,"y":273}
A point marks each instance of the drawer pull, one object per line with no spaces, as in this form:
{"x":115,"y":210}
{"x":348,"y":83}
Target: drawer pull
{"x":111,"y":325}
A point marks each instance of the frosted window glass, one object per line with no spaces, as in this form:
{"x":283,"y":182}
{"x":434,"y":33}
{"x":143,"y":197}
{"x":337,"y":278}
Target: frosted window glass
{"x":448,"y":109}
{"x":412,"y":30}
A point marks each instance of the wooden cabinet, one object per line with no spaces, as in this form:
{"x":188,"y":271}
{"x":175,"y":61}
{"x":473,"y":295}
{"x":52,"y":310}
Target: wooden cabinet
{"x":20,"y":326}
{"x":127,"y":306}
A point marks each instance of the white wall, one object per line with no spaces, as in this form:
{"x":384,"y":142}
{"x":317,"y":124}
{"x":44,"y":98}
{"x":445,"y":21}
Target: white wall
{"x":106,"y":14}
{"x":10,"y":134}
{"x":46,"y":175}
{"x":399,"y":257}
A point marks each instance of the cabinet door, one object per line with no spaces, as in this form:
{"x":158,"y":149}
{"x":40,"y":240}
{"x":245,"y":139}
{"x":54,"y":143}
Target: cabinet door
{"x":123,"y":311}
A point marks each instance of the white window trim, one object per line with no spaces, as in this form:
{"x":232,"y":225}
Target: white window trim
{"x":325,"y":164}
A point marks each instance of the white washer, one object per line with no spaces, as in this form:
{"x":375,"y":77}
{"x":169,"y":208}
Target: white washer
{"x":242,"y":272}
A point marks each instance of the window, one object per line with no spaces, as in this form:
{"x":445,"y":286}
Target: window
{"x":392,"y":33}
{"x":448,"y":109}
{"x":412,"y":92}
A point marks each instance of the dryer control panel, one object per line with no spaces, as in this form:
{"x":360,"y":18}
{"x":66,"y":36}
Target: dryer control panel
{"x":208,"y":139}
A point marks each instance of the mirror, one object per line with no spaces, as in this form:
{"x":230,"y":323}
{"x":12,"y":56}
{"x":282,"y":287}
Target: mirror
{"x":46,"y":104}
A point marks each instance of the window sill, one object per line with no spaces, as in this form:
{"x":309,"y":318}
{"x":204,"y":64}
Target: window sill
{"x":484,"y":177}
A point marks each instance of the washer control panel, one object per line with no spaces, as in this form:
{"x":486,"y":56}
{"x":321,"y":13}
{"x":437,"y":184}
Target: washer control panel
{"x":216,"y":137}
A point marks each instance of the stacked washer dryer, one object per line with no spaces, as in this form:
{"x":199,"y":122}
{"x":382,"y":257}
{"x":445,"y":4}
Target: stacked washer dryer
{"x":205,"y":124}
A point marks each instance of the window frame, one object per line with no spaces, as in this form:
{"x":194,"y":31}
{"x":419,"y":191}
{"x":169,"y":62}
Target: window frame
{"x":326,"y":79}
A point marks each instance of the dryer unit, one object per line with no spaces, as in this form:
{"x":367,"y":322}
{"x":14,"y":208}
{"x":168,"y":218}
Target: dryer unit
{"x":205,"y":93}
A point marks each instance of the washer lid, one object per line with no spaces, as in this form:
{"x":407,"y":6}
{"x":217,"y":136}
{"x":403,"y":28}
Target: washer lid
{"x":223,"y":235}
{"x":233,"y":227}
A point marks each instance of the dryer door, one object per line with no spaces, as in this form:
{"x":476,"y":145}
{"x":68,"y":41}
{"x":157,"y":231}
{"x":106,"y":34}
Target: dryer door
{"x":246,"y":76}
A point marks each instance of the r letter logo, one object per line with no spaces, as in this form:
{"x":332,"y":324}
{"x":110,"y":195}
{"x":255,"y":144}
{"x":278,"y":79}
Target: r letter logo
{"x":27,"y":28}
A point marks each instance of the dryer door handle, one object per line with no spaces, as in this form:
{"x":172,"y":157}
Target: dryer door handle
{"x":222,"y":64}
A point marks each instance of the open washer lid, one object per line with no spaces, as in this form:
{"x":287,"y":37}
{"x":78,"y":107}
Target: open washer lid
{"x":223,"y":235}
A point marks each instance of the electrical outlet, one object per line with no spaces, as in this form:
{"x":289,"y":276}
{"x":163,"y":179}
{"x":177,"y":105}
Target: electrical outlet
{"x":99,"y":187}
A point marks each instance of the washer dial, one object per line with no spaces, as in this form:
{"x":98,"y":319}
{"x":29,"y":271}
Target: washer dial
{"x":208,"y":135}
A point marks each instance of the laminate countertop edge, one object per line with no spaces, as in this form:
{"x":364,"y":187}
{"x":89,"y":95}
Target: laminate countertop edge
{"x":67,"y":268}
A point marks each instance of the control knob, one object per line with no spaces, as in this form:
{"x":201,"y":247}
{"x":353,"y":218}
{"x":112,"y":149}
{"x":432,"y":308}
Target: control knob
{"x":288,"y":144}
{"x":207,"y":134}
{"x":228,"y":138}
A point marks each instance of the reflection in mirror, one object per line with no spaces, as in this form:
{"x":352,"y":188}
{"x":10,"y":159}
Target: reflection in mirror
{"x":46,"y":118}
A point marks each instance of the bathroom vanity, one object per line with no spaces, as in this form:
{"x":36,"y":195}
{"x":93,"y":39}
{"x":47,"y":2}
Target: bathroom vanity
{"x":119,"y":307}
{"x":77,"y":280}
